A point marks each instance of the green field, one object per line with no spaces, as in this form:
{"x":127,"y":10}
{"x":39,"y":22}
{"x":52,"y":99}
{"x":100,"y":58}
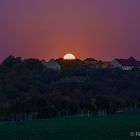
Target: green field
{"x":114,"y":127}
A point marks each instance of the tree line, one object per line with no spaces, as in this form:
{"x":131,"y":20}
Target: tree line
{"x":30,"y":90}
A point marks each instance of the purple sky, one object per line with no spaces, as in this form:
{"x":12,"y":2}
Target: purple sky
{"x":103,"y":29}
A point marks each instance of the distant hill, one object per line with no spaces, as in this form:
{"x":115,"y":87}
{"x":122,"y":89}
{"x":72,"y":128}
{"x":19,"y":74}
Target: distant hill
{"x":29,"y":86}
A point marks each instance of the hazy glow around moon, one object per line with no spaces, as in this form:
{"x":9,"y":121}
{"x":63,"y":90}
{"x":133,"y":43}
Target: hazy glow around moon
{"x":69,"y":57}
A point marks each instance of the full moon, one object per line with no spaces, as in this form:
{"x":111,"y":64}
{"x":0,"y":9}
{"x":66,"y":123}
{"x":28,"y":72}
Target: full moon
{"x":69,"y":56}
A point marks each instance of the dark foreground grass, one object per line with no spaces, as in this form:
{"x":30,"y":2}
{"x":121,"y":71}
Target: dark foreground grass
{"x":115,"y":127}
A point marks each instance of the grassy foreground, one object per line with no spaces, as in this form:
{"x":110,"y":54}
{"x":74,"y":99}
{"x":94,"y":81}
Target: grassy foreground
{"x":115,"y":127}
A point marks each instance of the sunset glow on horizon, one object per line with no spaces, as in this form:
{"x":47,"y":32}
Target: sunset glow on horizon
{"x":102,"y":29}
{"x":69,"y":57}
